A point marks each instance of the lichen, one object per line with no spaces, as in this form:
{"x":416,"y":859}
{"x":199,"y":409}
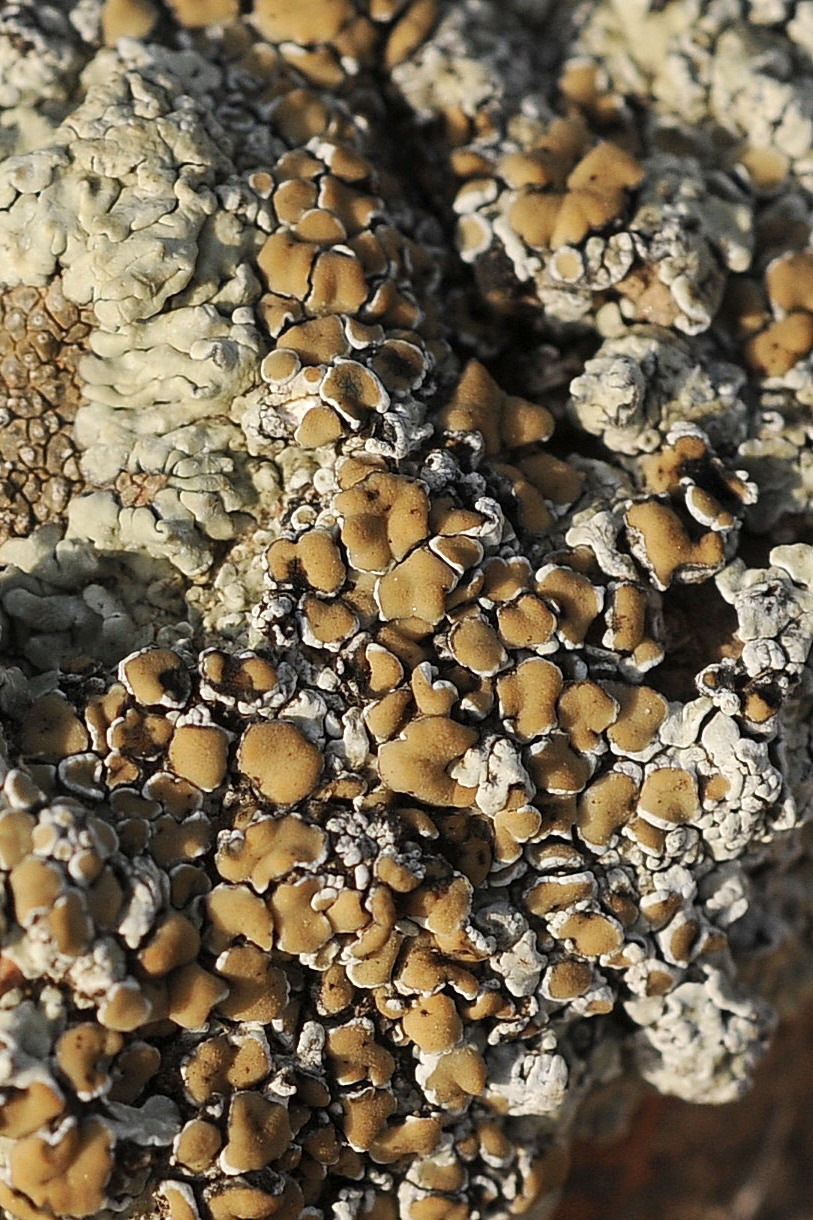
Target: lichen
{"x":404,"y":714}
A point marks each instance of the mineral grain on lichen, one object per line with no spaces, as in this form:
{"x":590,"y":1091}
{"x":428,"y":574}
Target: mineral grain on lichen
{"x":404,"y":715}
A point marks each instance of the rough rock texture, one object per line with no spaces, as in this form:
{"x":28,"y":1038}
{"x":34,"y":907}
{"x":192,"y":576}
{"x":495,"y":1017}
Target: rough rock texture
{"x":749,"y":1158}
{"x":406,"y":599}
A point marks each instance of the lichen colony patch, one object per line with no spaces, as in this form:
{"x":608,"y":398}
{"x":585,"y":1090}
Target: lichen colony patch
{"x":405,"y":600}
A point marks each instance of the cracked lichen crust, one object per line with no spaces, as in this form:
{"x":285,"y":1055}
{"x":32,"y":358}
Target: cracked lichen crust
{"x":478,"y":771}
{"x":131,"y":211}
{"x":43,"y":338}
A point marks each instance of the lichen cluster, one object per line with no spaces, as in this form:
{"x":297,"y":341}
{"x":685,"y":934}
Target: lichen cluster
{"x":404,"y":714}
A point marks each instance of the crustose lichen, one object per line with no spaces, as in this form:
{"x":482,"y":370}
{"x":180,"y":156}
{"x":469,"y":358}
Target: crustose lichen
{"x":425,"y":776}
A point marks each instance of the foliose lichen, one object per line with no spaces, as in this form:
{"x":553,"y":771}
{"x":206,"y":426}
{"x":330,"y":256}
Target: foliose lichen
{"x":404,"y":712}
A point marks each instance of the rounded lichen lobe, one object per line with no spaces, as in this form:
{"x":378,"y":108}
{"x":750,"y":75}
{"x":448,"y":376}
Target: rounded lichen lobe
{"x":280,"y":761}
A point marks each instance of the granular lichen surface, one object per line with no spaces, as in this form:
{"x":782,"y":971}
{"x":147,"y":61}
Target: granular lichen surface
{"x":405,"y":600}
